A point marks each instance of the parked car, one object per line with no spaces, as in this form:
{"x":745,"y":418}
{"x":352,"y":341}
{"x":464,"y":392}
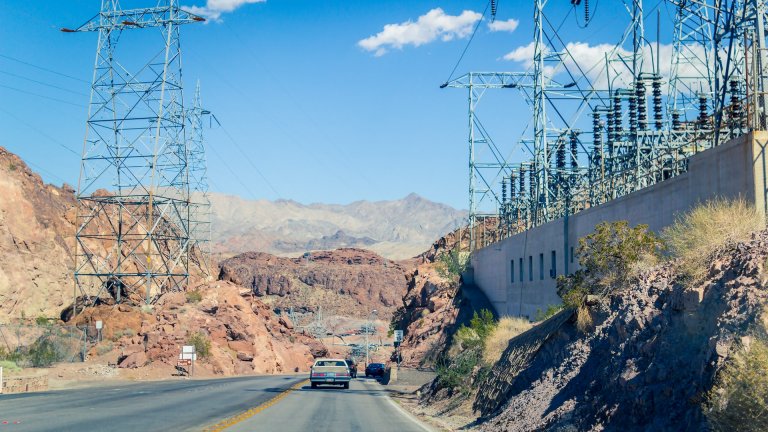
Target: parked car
{"x":374,"y":369}
{"x":329,"y":371}
{"x":352,"y":367}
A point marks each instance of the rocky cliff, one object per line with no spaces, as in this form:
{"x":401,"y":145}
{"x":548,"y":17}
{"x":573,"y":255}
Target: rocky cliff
{"x":36,"y":240}
{"x":351,"y":282}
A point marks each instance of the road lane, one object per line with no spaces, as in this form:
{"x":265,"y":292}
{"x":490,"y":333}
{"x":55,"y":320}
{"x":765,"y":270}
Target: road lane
{"x":181,"y":405}
{"x":364,"y":407}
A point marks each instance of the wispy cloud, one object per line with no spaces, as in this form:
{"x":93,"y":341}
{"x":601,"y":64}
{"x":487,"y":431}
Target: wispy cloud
{"x":591,"y":60}
{"x":433,"y":25}
{"x":214,"y":8}
{"x":509,"y":25}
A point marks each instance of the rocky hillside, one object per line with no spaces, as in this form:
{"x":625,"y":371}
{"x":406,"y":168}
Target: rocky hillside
{"x":36,"y":239}
{"x":350,"y":282}
{"x":245,"y":336}
{"x":396,"y":229}
{"x":652,"y":355}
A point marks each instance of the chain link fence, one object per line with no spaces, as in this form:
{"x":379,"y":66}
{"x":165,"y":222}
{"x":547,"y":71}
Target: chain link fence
{"x":44,"y":345}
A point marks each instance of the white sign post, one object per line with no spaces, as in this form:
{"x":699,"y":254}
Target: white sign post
{"x":398,"y":335}
{"x":99,"y":326}
{"x":188,"y":353}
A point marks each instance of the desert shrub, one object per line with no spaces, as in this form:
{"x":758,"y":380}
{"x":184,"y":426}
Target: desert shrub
{"x":584,"y":321}
{"x":11,"y":356}
{"x":739,"y":398}
{"x":194,"y":296}
{"x":549,"y":312}
{"x":498,"y":339}
{"x":697,"y":234}
{"x":202,"y":344}
{"x":43,"y":353}
{"x":9,"y":366}
{"x":104,"y":348}
{"x":450,"y":265}
{"x":607,"y":258}
{"x":42,"y":321}
{"x":456,"y":371}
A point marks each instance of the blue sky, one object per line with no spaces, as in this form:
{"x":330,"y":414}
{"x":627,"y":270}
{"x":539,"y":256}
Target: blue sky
{"x":323,"y":118}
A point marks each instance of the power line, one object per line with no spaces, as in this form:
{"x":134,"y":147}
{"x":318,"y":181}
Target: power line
{"x":231,"y":171}
{"x":41,"y":96}
{"x":248,"y":159}
{"x":44,"y":69}
{"x":54,"y":140}
{"x":43,"y":83}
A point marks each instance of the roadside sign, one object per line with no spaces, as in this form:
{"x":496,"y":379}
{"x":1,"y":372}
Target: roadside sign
{"x":188,"y":349}
{"x":398,"y":335}
{"x":99,"y":325}
{"x":185,"y":362}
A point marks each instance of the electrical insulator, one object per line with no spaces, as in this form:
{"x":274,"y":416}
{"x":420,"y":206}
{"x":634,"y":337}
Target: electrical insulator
{"x":522,"y":180}
{"x":532,"y":181}
{"x":617,"y":127}
{"x":574,"y":150}
{"x":657,"y":110}
{"x":702,"y":120}
{"x":676,"y":120}
{"x":632,"y":112}
{"x":494,"y":6}
{"x":737,"y":118}
{"x":586,"y":12}
{"x":642,"y":111}
{"x":503,"y":191}
{"x":512,"y":194}
{"x":597,"y":135}
{"x":609,"y":122}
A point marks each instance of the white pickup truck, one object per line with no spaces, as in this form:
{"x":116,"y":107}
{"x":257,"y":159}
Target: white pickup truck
{"x":329,"y":371}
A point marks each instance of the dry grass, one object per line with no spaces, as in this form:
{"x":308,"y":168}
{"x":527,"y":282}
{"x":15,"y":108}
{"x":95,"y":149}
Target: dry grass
{"x":697,"y":234}
{"x":498,"y":339}
{"x":584,"y":321}
{"x":739,"y":398}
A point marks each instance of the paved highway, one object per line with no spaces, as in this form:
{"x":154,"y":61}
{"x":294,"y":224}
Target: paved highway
{"x":364,"y":407}
{"x":196,"y":405}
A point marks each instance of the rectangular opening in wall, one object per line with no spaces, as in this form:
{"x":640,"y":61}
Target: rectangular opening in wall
{"x":541,"y":266}
{"x":512,"y":271}
{"x":571,"y":254}
{"x":530,"y":267}
{"x":553,"y":269}
{"x":521,"y":270}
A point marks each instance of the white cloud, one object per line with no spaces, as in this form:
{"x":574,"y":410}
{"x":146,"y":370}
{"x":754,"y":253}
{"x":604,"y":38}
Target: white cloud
{"x":214,"y":8}
{"x":591,"y":60}
{"x":509,"y":25}
{"x":428,"y":28}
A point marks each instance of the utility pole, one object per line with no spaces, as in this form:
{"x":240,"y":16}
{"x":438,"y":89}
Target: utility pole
{"x":133,"y":192}
{"x":367,"y":331}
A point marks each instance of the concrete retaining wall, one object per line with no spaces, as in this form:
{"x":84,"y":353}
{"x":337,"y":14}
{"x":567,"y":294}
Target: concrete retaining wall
{"x":737,"y":168}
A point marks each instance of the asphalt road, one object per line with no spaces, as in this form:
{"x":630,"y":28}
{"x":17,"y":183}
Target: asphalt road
{"x":364,"y":407}
{"x":194,"y":405}
{"x":184,"y":405}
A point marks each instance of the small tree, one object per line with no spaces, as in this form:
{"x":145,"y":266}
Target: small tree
{"x":202,"y":344}
{"x":450,"y":265}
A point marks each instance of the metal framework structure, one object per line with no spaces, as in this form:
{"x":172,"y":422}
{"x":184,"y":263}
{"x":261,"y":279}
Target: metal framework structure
{"x":600,"y":136}
{"x":200,"y":203}
{"x":133,"y":223}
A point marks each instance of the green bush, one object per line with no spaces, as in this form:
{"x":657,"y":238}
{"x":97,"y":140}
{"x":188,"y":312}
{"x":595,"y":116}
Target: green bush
{"x":738,"y":401}
{"x":202,"y":344}
{"x":43,"y":353}
{"x":456,"y":372}
{"x":42,"y":321}
{"x":9,"y":366}
{"x":549,"y":312}
{"x":608,"y":258}
{"x":194,"y":296}
{"x":450,"y":265}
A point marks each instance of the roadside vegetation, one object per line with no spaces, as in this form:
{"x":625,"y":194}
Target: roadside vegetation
{"x":739,"y":398}
{"x":202,"y":344}
{"x":609,"y":258}
{"x":450,"y":265}
{"x":697,"y":234}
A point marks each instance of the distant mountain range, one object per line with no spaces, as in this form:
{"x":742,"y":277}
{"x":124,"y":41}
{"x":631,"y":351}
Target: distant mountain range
{"x":395,"y":229}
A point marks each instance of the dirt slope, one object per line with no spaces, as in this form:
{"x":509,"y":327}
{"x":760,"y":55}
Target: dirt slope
{"x":653,"y":353}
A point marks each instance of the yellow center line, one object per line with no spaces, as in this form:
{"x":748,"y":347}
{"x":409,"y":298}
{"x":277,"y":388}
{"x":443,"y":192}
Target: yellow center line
{"x":255,"y":410}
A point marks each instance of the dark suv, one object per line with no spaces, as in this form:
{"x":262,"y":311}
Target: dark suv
{"x":352,"y":367}
{"x":374,"y":369}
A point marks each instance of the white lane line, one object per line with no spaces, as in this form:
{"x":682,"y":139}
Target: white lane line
{"x":403,"y":411}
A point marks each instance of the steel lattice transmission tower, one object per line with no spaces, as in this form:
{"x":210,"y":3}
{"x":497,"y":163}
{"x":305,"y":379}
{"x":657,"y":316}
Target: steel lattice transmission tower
{"x":133,"y":223}
{"x":200,"y":205}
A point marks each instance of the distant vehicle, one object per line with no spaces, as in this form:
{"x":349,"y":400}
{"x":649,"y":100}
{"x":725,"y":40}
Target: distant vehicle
{"x":329,"y":371}
{"x":374,"y":369}
{"x":352,"y":367}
